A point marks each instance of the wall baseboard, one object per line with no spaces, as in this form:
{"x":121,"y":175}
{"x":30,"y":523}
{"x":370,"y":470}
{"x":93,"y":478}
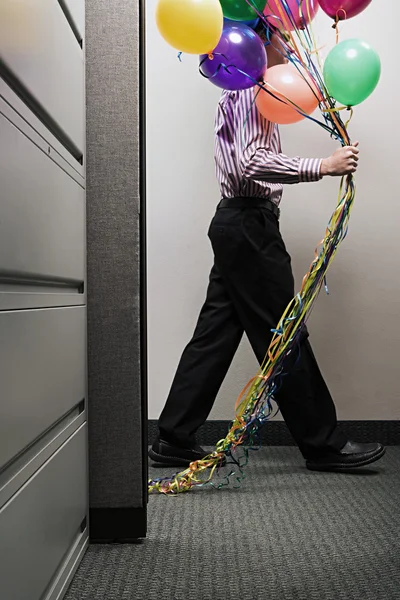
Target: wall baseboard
{"x":276,"y":433}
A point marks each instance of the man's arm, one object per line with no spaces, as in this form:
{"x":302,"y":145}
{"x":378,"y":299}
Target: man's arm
{"x":257,"y":144}
{"x":264,"y":164}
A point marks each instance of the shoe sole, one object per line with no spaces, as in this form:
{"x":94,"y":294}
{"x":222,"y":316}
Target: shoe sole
{"x":160,"y":460}
{"x":345,"y":466}
{"x":170,"y":461}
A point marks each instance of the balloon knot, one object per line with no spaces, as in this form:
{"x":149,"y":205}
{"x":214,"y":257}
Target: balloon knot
{"x":211,"y":56}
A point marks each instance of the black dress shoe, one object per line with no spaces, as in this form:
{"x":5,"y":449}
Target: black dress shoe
{"x":163,"y":453}
{"x":351,"y":456}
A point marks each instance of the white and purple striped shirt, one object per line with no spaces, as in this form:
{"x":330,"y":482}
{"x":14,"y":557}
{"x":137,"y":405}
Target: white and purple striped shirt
{"x":248,"y":157}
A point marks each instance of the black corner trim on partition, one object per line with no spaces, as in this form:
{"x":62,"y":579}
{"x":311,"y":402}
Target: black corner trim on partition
{"x":117,"y":525}
{"x":143,"y":244}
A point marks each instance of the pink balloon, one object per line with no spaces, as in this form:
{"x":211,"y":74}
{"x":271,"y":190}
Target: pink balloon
{"x":303,"y":11}
{"x":343,"y":9}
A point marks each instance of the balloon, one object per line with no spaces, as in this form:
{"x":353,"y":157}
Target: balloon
{"x":352,"y":70}
{"x":285,"y":81}
{"x":253,"y":24}
{"x":303,"y":11}
{"x":240,"y":10}
{"x":242,"y":48}
{"x":192,"y":26}
{"x":343,"y":9}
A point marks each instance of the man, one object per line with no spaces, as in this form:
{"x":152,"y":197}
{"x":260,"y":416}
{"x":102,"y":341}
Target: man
{"x":251,"y":283}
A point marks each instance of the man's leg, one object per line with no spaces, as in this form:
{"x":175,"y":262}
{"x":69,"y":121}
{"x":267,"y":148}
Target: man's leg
{"x":202,"y":368}
{"x":256,"y":270}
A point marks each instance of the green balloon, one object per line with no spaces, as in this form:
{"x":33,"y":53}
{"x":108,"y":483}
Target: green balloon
{"x":352,"y":71}
{"x":240,"y":10}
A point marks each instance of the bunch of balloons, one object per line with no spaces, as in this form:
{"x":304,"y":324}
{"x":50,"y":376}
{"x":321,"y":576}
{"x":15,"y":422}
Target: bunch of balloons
{"x":233,"y":57}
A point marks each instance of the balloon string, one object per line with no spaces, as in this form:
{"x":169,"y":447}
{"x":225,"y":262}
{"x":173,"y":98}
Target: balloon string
{"x":337,"y":30}
{"x":331,"y":110}
{"x":310,"y":30}
{"x":349,"y":108}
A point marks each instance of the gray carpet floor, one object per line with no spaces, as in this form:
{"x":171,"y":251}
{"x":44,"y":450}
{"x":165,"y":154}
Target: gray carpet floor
{"x":285,"y":534}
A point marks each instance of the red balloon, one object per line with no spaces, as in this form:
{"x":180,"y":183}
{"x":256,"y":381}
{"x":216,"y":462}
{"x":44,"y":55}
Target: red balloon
{"x":343,"y":9}
{"x":302,"y":12}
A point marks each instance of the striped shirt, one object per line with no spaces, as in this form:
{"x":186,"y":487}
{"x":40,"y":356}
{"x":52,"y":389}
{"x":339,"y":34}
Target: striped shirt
{"x":248,"y":157}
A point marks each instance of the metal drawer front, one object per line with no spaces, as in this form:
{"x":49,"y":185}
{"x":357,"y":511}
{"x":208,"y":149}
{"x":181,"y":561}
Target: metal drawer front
{"x":42,"y":372}
{"x":76,"y":9}
{"x":38,"y":47}
{"x":42,"y":224}
{"x":41,"y":522}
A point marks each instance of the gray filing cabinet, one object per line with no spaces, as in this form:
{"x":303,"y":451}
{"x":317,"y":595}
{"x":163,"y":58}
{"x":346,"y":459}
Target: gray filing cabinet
{"x":43,"y":431}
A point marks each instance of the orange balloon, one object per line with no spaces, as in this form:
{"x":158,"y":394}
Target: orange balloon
{"x":289,"y":85}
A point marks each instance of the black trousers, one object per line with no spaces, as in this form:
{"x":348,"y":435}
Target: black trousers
{"x":251,"y":283}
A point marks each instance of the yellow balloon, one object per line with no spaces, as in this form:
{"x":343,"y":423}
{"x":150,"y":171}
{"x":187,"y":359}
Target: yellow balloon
{"x":191,"y":26}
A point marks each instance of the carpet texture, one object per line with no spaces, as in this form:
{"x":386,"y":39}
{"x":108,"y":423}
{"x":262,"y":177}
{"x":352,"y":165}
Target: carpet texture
{"x":285,"y":534}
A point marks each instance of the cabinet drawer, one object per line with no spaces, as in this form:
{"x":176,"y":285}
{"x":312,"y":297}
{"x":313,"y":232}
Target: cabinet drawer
{"x":42,"y":219}
{"x":42,"y":372}
{"x":76,"y":9}
{"x":39,"y":49}
{"x":42,"y":521}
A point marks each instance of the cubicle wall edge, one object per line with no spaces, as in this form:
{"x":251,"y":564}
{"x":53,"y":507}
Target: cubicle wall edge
{"x":116,"y":272}
{"x":143,"y":242}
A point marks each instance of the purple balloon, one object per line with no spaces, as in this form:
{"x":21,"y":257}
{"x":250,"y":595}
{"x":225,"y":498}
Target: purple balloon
{"x":242,"y":52}
{"x":343,"y":9}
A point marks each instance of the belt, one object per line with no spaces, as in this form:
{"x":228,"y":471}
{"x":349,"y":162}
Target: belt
{"x":251,"y":202}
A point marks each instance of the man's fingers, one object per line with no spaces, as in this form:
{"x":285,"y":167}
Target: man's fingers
{"x":351,"y":166}
{"x":353,"y":148}
{"x":350,"y":151}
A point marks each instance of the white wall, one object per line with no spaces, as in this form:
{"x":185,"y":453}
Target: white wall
{"x":356,"y":329}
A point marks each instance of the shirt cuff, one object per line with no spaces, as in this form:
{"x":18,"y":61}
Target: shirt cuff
{"x":310,"y":169}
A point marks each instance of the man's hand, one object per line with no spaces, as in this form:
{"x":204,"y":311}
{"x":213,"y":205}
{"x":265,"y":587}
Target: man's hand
{"x":342,"y":162}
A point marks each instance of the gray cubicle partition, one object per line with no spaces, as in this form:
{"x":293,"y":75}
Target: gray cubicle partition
{"x":43,"y":430}
{"x":116,"y":269}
